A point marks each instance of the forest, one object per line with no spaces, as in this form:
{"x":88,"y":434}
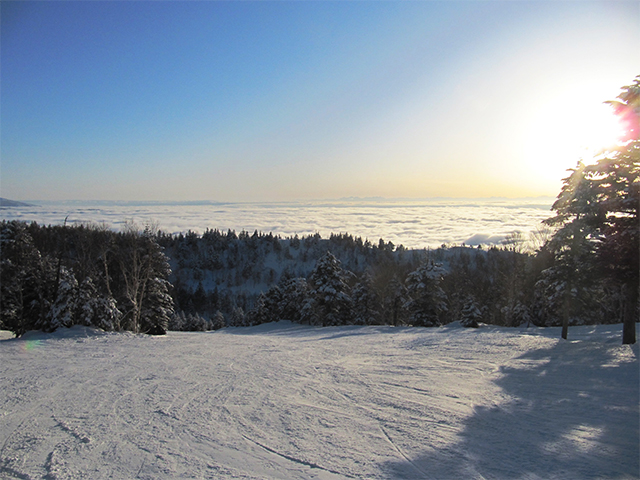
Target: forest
{"x":581,"y":268}
{"x":144,"y":280}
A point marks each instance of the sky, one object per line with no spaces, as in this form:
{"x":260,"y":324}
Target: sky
{"x":279,"y":100}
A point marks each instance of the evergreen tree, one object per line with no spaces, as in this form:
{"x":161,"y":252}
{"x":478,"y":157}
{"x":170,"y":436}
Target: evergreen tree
{"x":260,"y":313}
{"x":178,"y":321}
{"x":96,"y":308}
{"x":157,"y":307}
{"x":367,"y":307}
{"x":471,"y":314}
{"x":64,"y":308}
{"x":574,"y":243}
{"x":289,"y":300}
{"x":331,"y":293}
{"x":238,"y":317}
{"x":395,"y":300}
{"x":218,"y":321}
{"x":26,"y":279}
{"x":427,"y":301}
{"x":86,"y":304}
{"x":194,"y":322}
{"x":597,"y":219}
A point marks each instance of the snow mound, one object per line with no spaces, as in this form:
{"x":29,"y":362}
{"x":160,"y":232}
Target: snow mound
{"x":6,"y":335}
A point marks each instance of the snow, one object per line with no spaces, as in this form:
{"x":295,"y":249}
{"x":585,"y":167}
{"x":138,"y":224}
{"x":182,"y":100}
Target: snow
{"x":285,"y":401}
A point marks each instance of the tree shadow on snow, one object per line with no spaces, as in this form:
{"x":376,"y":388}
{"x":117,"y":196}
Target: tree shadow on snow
{"x":571,"y":413}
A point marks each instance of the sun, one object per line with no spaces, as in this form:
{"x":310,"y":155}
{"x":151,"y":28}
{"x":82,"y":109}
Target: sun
{"x":568,"y":129}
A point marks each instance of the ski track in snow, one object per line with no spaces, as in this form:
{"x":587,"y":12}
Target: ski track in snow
{"x":284,"y":401}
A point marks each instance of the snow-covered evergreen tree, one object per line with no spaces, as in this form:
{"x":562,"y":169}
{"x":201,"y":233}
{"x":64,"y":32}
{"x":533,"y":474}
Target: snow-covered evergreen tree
{"x":107,"y":316}
{"x":598,"y":237}
{"x":237,"y":317}
{"x":218,"y":321}
{"x":516,"y":313}
{"x":427,"y":301}
{"x":367,"y":307}
{"x":195,"y":322}
{"x":395,"y":302}
{"x":260,"y":313}
{"x":558,"y":301}
{"x":26,"y":278}
{"x":63,"y":311}
{"x":330,"y":292}
{"x":87,"y":297}
{"x":291,"y":296}
{"x":471,"y":313}
{"x":96,"y":308}
{"x":178,"y":321}
{"x":157,"y":307}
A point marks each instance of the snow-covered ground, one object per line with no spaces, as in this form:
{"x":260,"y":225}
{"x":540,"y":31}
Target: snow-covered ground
{"x":285,"y":401}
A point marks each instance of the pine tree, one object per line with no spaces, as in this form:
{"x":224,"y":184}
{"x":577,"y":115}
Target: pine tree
{"x":395,"y":302}
{"x":218,"y":321}
{"x":86,"y":303}
{"x":178,"y":321}
{"x":26,"y":278}
{"x":471,"y":314}
{"x":574,"y":242}
{"x":237,"y":317}
{"x":97,"y":308}
{"x":427,"y":301}
{"x":157,"y":307}
{"x":290,"y":301}
{"x":330,"y":291}
{"x":367,"y":307}
{"x":63,"y":311}
{"x":597,"y":219}
{"x":94,"y":308}
{"x":194,"y":322}
{"x":260,"y":313}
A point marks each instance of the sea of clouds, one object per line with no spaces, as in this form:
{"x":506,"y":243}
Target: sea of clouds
{"x":414,"y":224}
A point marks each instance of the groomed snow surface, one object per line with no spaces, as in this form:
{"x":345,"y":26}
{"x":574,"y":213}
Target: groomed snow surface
{"x":284,"y":401}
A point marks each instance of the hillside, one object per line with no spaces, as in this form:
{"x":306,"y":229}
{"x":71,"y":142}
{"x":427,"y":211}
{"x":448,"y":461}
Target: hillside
{"x":285,"y":401}
{"x":5,"y":202}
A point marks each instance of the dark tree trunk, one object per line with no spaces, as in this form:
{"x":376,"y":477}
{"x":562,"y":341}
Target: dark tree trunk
{"x":565,"y":326}
{"x":629,"y":321}
{"x":566,"y":311}
{"x":629,"y":331}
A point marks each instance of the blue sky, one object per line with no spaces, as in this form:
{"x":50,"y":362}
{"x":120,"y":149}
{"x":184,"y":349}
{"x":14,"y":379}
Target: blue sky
{"x":264,"y":101}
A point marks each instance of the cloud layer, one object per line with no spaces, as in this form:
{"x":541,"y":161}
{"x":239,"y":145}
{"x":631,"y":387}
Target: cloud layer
{"x":412,"y":224}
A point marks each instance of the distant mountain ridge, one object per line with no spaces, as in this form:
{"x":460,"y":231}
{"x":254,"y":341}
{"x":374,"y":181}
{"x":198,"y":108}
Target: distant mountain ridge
{"x":5,"y":202}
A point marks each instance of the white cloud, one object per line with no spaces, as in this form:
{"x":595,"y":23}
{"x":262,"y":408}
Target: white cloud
{"x":414,"y":224}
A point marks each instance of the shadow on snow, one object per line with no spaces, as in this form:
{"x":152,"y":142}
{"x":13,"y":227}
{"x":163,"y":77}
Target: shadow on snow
{"x":572,"y":413}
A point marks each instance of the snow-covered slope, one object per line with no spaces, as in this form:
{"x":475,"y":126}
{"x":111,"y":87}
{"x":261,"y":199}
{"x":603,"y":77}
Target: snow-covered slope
{"x":286,"y":401}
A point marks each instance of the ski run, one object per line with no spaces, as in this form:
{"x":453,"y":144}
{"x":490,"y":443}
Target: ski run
{"x":287,"y":401}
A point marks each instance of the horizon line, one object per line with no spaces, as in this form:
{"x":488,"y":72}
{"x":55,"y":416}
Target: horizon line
{"x":349,"y":199}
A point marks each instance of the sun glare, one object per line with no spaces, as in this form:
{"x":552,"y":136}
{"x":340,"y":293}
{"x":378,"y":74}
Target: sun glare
{"x":565,"y":131}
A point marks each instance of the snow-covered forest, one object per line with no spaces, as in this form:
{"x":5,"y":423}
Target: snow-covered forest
{"x":143,"y":280}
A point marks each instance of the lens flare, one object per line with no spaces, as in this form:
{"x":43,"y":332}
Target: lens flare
{"x":30,"y":345}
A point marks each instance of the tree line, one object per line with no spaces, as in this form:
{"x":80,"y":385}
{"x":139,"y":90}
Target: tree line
{"x":59,"y":276}
{"x":144,"y":280}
